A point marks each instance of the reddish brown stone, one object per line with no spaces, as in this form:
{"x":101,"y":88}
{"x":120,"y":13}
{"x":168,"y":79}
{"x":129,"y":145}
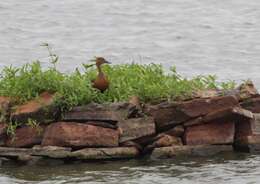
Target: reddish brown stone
{"x":41,"y":109}
{"x":200,"y":107}
{"x":210,"y":133}
{"x":225,"y":114}
{"x":71,"y":134}
{"x":26,"y":137}
{"x":219,"y":115}
{"x":170,"y":114}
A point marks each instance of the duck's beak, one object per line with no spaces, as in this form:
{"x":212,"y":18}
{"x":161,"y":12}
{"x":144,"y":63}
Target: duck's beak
{"x":107,"y":62}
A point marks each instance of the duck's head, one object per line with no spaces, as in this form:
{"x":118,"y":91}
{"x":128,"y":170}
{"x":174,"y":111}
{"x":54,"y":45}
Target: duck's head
{"x":101,"y":61}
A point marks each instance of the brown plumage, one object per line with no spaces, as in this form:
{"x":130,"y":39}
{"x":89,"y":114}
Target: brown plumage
{"x":101,"y":82}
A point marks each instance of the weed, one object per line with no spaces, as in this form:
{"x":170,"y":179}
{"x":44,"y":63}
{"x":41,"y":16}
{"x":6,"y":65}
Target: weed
{"x":12,"y":126}
{"x":149,"y":82}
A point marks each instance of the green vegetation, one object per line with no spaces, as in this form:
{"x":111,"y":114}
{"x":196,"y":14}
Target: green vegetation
{"x":149,"y":82}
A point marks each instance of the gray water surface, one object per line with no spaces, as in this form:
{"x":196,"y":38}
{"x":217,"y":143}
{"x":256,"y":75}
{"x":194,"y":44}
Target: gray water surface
{"x":198,"y":36}
{"x":223,"y":168}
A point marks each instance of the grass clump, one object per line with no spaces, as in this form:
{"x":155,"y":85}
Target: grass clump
{"x":149,"y":82}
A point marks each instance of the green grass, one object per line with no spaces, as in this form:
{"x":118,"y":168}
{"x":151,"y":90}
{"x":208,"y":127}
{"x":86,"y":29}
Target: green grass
{"x":149,"y":82}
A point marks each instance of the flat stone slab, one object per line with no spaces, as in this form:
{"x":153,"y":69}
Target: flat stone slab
{"x":136,"y":128}
{"x":170,"y":114}
{"x":225,"y":114}
{"x":66,"y":153}
{"x":210,"y":133}
{"x":41,"y":109}
{"x":199,"y":150}
{"x":51,"y":151}
{"x":106,"y":153}
{"x":14,"y":152}
{"x":111,"y":113}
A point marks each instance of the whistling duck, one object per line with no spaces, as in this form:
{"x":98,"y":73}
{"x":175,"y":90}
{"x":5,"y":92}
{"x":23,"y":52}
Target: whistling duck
{"x":101,"y":82}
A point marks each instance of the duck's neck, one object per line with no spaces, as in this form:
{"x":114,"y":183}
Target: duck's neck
{"x":99,"y":70}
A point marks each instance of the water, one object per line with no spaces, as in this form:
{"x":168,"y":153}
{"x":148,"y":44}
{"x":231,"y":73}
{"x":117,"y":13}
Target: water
{"x":228,"y":168}
{"x":198,"y":36}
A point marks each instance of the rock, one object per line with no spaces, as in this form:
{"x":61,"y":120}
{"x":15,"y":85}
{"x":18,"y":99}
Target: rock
{"x":71,"y":134}
{"x":249,"y":144}
{"x":111,"y":113}
{"x":168,"y":115}
{"x":199,"y":150}
{"x":30,"y":155}
{"x":136,"y":128}
{"x":252,"y":104}
{"x":41,"y":109}
{"x":106,"y":153}
{"x":247,"y":137}
{"x":210,"y":133}
{"x":201,"y":107}
{"x":247,"y":127}
{"x":225,"y":114}
{"x":167,"y":140}
{"x":52,"y":151}
{"x":5,"y":106}
{"x":26,"y":137}
{"x":29,"y":160}
{"x":134,"y":100}
{"x":14,"y":152}
{"x":243,"y":113}
{"x":177,"y":131}
{"x":247,"y":90}
{"x":163,"y":140}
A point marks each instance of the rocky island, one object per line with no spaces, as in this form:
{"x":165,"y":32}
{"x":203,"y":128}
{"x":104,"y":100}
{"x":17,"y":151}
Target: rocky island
{"x":211,"y":122}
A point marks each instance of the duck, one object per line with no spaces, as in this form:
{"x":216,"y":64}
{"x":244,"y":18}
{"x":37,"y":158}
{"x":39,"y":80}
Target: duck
{"x":101,"y":82}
